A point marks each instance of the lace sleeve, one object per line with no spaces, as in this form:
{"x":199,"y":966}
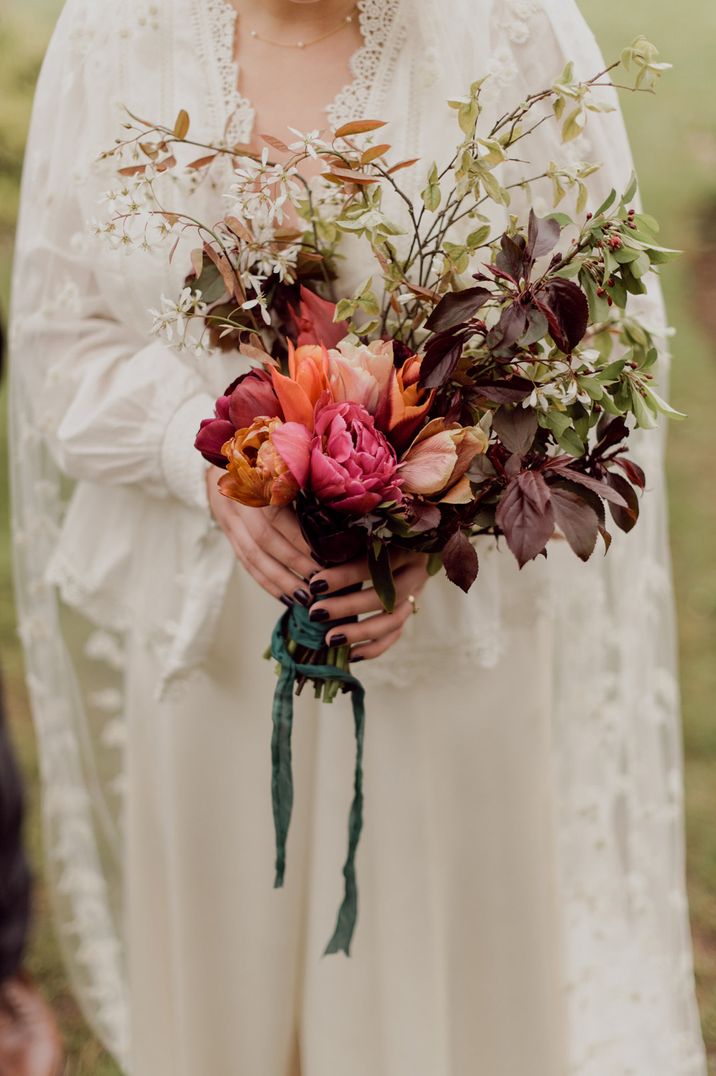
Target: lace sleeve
{"x":113,"y":409}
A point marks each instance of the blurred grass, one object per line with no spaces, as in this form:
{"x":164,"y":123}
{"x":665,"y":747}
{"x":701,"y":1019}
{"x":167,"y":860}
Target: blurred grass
{"x":675,"y":145}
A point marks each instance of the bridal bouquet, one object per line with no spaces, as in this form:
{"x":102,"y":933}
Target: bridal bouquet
{"x":475,"y":384}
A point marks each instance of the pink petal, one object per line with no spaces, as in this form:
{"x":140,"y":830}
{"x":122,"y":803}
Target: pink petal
{"x":428,"y":465}
{"x":292,"y":441}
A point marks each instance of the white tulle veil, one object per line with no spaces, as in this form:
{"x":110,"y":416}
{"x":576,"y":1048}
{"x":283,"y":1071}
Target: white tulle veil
{"x":616,"y":735}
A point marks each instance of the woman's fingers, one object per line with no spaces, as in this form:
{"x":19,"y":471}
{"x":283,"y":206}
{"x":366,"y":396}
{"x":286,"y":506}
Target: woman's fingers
{"x":286,"y":521}
{"x":264,"y":566}
{"x":408,"y":580}
{"x":265,"y":531}
{"x":372,"y":628}
{"x":374,"y":650}
{"x":347,"y":575}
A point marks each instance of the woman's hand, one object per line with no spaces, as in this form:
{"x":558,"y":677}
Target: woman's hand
{"x":269,"y":544}
{"x":373,"y":635}
{"x":267,"y":541}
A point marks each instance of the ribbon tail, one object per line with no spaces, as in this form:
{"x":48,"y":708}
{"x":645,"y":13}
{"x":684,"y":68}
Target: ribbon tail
{"x":348,"y":912}
{"x":281,"y":769}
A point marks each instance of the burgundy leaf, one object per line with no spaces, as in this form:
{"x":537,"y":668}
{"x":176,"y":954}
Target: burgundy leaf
{"x":610,"y":433}
{"x":525,"y":515}
{"x":606,"y":491}
{"x":577,"y":520}
{"x":505,"y":392}
{"x":516,"y":428}
{"x":423,"y":517}
{"x":632,"y":470}
{"x":499,"y":273}
{"x":457,"y":307}
{"x":542,"y":236}
{"x":441,"y":357}
{"x":512,"y":324}
{"x":566,"y":308}
{"x":607,"y":538}
{"x":511,"y":257}
{"x":460,"y":560}
{"x":537,"y":327}
{"x":625,"y":518}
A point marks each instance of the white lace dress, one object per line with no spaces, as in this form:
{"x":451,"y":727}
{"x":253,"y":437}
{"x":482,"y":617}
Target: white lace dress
{"x":522,"y":897}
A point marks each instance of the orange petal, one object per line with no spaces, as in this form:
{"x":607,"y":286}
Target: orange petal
{"x":460,"y":493}
{"x":295,"y":404}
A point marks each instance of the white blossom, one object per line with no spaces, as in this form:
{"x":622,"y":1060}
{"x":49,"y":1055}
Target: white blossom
{"x":173,"y":320}
{"x":309,"y":143}
{"x":262,"y":187}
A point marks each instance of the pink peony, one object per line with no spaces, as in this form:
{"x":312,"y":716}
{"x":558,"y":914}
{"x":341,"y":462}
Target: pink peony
{"x":346,"y":463}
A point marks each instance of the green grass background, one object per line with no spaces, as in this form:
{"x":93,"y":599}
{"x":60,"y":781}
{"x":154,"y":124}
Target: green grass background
{"x":675,"y":145}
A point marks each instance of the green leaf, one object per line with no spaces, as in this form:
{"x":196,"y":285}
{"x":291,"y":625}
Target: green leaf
{"x":607,"y":203}
{"x":644,"y":415}
{"x":556,"y":421}
{"x":591,"y":386}
{"x":574,"y":125}
{"x":493,"y":189}
{"x":661,"y":404}
{"x":381,"y":574}
{"x":570,"y":442}
{"x":479,"y":237}
{"x":435,"y":563}
{"x":631,"y":190}
{"x":431,"y":196}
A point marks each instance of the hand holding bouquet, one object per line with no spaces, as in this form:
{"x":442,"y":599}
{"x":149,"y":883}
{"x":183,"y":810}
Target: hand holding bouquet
{"x":487,"y":386}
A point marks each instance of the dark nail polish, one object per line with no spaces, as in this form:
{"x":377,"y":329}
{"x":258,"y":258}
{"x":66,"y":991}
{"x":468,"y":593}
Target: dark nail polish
{"x":318,"y":615}
{"x":319,"y":586}
{"x":286,"y":601}
{"x":338,"y":640}
{"x":302,"y":596}
{"x":358,"y":657}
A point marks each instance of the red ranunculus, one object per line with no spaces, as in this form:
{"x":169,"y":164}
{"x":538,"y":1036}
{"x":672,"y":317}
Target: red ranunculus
{"x":250,"y":397}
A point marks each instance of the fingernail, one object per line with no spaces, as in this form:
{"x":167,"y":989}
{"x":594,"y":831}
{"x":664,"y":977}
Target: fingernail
{"x":286,"y":601}
{"x":319,"y":586}
{"x":302,"y":596}
{"x":338,"y":640}
{"x":319,"y":615}
{"x":358,"y":657}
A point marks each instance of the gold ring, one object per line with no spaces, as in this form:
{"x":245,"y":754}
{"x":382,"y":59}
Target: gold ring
{"x":411,"y":599}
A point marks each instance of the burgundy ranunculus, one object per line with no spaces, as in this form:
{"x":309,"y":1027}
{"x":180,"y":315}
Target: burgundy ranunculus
{"x":253,"y":397}
{"x":250,"y":397}
{"x":347,"y":464}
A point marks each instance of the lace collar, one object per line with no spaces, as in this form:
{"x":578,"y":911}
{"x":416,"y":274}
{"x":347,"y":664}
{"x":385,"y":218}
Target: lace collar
{"x":378,"y":22}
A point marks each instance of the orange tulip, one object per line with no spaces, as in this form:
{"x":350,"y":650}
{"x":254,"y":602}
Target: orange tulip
{"x":404,"y":405}
{"x":256,"y":475}
{"x":307,"y":380}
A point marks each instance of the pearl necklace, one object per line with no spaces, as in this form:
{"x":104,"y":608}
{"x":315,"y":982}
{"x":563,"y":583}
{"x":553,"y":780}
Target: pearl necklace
{"x":305,"y":44}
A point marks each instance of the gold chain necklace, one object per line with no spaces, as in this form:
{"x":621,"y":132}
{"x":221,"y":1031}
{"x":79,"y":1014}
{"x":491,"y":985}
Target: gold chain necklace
{"x":347,"y":19}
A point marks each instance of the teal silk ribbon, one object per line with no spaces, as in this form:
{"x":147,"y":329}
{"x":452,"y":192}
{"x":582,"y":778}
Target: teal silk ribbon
{"x":295,"y":625}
